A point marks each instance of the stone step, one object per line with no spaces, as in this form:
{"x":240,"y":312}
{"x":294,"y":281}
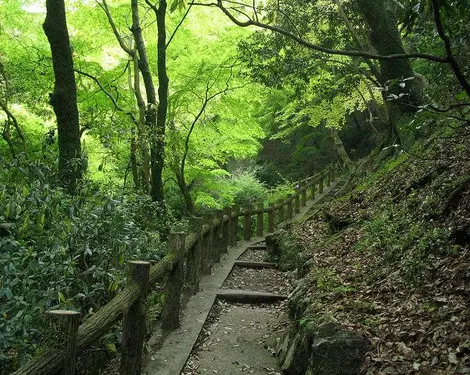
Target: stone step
{"x":256,"y":247}
{"x":247,"y":264}
{"x":249,"y":296}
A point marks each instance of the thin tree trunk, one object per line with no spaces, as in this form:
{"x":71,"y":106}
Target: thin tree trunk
{"x":339,"y":146}
{"x":141,"y":129}
{"x":188,"y":200}
{"x":158,"y":139}
{"x":133,"y":161}
{"x":64,"y":97}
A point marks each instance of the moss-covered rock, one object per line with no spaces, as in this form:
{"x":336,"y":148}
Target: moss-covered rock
{"x":325,"y":349}
{"x":335,"y":351}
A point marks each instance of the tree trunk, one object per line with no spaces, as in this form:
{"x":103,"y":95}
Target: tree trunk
{"x":64,"y":97}
{"x":148,"y":112}
{"x":339,"y":146}
{"x":403,"y":97}
{"x":133,"y":161}
{"x":188,"y":201}
{"x":158,"y":138}
{"x":144,"y":182}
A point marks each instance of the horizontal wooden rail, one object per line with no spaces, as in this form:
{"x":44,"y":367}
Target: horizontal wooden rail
{"x":199,"y":250}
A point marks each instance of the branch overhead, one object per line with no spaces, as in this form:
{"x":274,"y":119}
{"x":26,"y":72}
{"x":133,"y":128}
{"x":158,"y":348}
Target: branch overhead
{"x":255,"y":22}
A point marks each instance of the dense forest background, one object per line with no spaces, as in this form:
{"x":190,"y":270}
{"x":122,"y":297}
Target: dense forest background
{"x":123,"y":119}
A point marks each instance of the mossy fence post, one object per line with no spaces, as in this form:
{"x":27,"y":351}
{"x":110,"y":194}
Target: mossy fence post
{"x":133,"y":323}
{"x":297,"y":198}
{"x":320,"y":183}
{"x":207,"y":244}
{"x":303,"y":192}
{"x":174,"y":283}
{"x":281,"y":212}
{"x":234,"y":227}
{"x":64,"y":329}
{"x":226,"y":229}
{"x":271,"y":218}
{"x":260,"y":220}
{"x":218,"y":233}
{"x":313,"y":190}
{"x":193,"y":257}
{"x":289,"y":207}
{"x":247,"y":225}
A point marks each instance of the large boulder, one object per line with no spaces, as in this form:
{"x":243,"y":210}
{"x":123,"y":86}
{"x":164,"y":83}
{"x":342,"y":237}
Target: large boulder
{"x":325,"y":349}
{"x":336,"y":351}
{"x":297,"y":357}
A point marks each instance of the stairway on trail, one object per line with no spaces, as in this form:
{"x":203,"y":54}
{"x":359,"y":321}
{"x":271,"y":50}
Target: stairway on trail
{"x":240,"y":334}
{"x":232,"y":323}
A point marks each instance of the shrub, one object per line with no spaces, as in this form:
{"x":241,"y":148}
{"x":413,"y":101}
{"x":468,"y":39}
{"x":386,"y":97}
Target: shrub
{"x":58,"y":251}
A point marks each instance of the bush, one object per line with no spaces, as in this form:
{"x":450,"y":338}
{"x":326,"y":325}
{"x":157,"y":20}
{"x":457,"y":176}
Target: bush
{"x":58,"y":251}
{"x":404,"y":242}
{"x":242,"y":189}
{"x":249,"y":191}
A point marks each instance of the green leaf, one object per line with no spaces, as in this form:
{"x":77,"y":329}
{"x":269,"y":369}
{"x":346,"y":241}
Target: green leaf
{"x":61,"y":297}
{"x":461,"y":96}
{"x":174,"y":5}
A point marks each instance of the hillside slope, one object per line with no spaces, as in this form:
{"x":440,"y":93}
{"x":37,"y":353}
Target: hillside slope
{"x":390,"y":259}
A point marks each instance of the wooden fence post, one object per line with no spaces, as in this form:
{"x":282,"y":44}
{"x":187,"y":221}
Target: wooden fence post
{"x":235,"y":222}
{"x":328,"y":177}
{"x":64,"y":335}
{"x":207,"y":243}
{"x":218,"y":236}
{"x":174,"y":284}
{"x":320,"y":183}
{"x":297,"y":198}
{"x":304,"y":194}
{"x":193,"y":257}
{"x":247,"y":225}
{"x":289,"y":207}
{"x":281,"y":212}
{"x":133,"y":324}
{"x":312,"y":190}
{"x":260,"y":220}
{"x":232,"y":230}
{"x":226,"y":229}
{"x":271,"y":218}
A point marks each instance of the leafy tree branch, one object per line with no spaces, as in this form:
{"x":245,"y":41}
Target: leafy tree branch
{"x":448,"y":48}
{"x":305,"y":43}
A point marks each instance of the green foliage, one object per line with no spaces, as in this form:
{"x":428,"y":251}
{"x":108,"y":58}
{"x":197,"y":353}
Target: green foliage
{"x":382,"y":171}
{"x":403,"y":241}
{"x":249,"y":191}
{"x":242,"y":189}
{"x":280,"y":192}
{"x":64,"y":252}
{"x":289,"y":250}
{"x":325,"y":280}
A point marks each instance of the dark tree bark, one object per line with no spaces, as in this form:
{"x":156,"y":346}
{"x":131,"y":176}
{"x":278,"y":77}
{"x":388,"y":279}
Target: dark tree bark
{"x":403,"y":96}
{"x":64,"y":97}
{"x":158,"y":139}
{"x":188,"y":200}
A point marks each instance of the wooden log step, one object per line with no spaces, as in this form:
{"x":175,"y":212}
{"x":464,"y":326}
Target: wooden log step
{"x":249,"y":296}
{"x":247,"y":264}
{"x":256,"y":247}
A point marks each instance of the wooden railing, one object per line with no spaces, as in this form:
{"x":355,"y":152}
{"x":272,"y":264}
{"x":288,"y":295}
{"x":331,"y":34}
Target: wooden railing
{"x":189,"y":257}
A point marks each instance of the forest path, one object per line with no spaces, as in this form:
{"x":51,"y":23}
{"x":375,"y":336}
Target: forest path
{"x":228,"y":337}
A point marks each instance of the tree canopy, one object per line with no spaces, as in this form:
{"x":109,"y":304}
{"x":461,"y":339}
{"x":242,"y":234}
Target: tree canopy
{"x":122,"y":118}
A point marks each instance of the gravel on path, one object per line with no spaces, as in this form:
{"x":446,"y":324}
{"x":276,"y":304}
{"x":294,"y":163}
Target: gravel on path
{"x":239,"y":339}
